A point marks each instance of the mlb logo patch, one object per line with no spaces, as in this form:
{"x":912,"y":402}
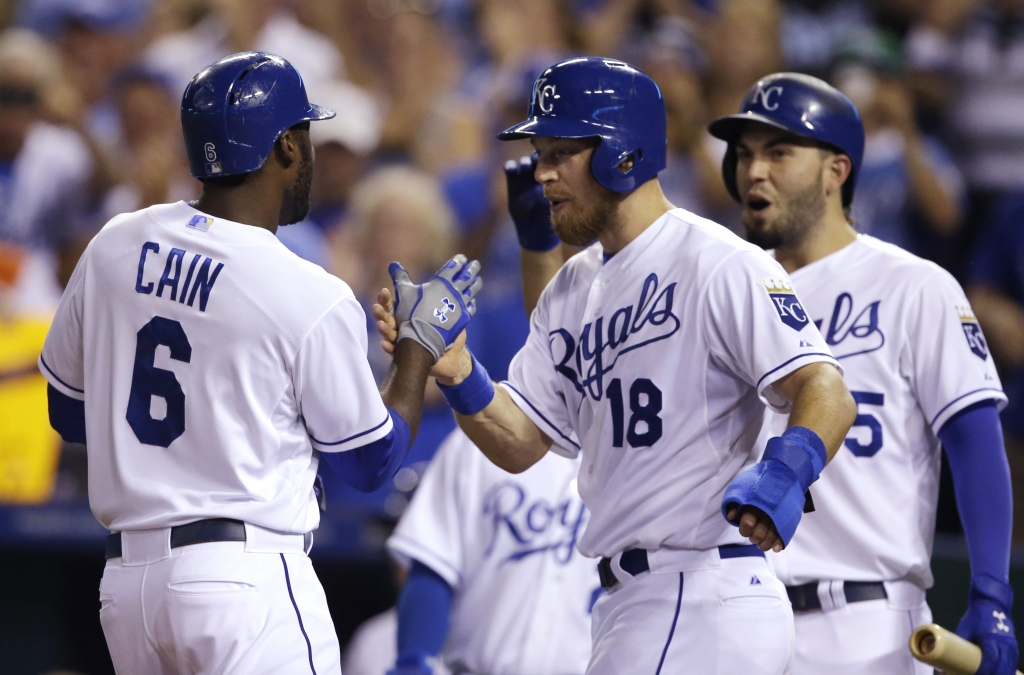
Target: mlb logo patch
{"x":972,"y":331}
{"x":213,"y":168}
{"x":786,"y":304}
{"x":201,"y":223}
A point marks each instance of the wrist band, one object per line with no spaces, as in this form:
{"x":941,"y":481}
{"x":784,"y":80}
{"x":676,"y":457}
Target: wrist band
{"x":472,"y":394}
{"x":801,"y":450}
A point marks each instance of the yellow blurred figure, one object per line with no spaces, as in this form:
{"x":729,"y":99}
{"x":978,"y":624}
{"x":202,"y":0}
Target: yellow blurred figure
{"x":29,"y":448}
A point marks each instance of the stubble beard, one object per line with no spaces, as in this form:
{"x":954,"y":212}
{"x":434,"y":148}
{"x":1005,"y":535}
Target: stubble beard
{"x":295,"y":205}
{"x":580,"y":225}
{"x":803,"y":211}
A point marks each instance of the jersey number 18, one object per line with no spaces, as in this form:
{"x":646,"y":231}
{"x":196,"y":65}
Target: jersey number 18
{"x":644,"y":404}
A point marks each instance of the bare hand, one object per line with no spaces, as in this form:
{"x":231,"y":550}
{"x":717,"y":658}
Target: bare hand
{"x":758,"y":527}
{"x":452,"y":368}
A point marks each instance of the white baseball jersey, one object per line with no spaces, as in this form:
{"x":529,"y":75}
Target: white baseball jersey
{"x":506,"y":544}
{"x":914,"y":356}
{"x":658,"y":363}
{"x":212,"y":361}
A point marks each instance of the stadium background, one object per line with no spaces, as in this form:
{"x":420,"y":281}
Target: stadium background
{"x":410,"y":171}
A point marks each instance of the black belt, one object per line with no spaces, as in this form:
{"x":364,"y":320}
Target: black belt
{"x":634,"y":561}
{"x":199,"y":532}
{"x":805,"y":597}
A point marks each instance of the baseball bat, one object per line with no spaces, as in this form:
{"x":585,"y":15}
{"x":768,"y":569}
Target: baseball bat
{"x":945,"y":650}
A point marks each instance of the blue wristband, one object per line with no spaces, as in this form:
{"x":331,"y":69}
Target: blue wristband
{"x":472,"y":394}
{"x":801,"y":450}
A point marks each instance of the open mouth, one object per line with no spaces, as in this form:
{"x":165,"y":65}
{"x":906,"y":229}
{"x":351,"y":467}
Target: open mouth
{"x":757,"y":203}
{"x":557,"y":203}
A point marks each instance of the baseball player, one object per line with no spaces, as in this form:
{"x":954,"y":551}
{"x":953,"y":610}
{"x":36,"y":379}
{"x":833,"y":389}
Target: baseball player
{"x":652,"y":356}
{"x":496,"y":584}
{"x":918,"y":367}
{"x":207,"y":369}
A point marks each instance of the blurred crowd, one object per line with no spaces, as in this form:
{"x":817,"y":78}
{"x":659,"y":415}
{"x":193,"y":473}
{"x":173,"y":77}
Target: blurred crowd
{"x":410,"y":170}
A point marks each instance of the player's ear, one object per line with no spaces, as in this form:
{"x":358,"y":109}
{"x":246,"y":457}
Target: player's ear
{"x":836,"y":168}
{"x":287,"y":149}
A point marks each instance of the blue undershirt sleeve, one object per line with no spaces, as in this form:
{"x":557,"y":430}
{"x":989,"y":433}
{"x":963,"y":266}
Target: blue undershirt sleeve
{"x":424,"y":610}
{"x":67,"y":415}
{"x":973,"y":439}
{"x":369,"y":466}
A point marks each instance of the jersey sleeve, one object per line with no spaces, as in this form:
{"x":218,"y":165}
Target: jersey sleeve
{"x":336,"y":391}
{"x":756,"y":327}
{"x":62,"y":361}
{"x":535,"y":384}
{"x":433,"y":526}
{"x":946,"y":356}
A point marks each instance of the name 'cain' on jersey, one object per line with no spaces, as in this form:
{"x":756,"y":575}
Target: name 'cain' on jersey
{"x":658,"y":364}
{"x":914,"y":355}
{"x":506,"y":544}
{"x":212,"y":361}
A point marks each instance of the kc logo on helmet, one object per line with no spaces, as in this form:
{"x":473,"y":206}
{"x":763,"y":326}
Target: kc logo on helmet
{"x":544,"y":95}
{"x":763,"y":96}
{"x":786,"y":303}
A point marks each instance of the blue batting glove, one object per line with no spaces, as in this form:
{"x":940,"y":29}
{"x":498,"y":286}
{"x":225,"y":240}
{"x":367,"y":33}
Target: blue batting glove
{"x":988,"y":624}
{"x":529,"y":208}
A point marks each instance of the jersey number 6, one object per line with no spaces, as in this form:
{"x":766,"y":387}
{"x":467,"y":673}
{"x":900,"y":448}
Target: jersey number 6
{"x":149,"y":381}
{"x":645,"y":411}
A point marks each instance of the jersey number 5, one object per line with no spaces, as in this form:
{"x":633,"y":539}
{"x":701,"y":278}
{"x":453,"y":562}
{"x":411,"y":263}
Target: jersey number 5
{"x":866,"y":420}
{"x":645,"y":404}
{"x":149,"y":381}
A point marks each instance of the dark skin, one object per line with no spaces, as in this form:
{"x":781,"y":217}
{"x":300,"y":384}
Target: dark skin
{"x":267,"y":199}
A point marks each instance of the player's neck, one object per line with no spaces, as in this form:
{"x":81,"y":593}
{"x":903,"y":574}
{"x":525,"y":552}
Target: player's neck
{"x":250,"y":203}
{"x":635,"y":213}
{"x":828,"y":236}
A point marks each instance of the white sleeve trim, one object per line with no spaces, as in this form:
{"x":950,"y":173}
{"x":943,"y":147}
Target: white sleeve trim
{"x":357,"y":440}
{"x":565,"y":445}
{"x":401,"y":546}
{"x":785,"y":368}
{"x":965,"y":400}
{"x":59,"y":384}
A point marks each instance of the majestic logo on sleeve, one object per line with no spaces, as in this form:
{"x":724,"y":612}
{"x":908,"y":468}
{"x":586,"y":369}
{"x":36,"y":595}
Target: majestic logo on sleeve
{"x":786,"y":303}
{"x":972,"y":331}
{"x":586,"y":361}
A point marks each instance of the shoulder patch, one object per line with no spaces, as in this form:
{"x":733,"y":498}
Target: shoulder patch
{"x":786,"y":304}
{"x":972,"y":331}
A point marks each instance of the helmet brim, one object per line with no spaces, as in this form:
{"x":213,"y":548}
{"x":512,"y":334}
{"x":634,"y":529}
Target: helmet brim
{"x":317,"y":112}
{"x":555,"y":128}
{"x":730,"y":127}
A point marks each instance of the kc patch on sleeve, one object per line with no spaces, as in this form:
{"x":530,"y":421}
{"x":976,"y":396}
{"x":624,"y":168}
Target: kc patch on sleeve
{"x":972,"y":331}
{"x":786,"y":304}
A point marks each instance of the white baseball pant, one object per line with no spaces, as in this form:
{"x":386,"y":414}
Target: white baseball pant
{"x":247,"y":607}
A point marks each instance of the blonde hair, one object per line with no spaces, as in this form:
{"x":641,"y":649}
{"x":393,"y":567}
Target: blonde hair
{"x":412,"y":187}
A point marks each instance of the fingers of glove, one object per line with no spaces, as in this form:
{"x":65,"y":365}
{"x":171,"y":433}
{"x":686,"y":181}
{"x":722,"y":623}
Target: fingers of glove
{"x":473,"y":289}
{"x":471,"y":307}
{"x":399,"y":276}
{"x":451,"y":268}
{"x":467,"y":277}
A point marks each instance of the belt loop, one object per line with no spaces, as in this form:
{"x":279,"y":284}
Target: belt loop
{"x":831,"y":595}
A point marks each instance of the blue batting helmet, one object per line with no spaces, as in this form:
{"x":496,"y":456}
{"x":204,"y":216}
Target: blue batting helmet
{"x":800,"y":104}
{"x":597,"y":97}
{"x":234,"y":110}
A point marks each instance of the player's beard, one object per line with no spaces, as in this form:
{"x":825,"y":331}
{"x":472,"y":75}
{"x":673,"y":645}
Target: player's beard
{"x":803,"y":211}
{"x":295,"y":205}
{"x":582,"y":223}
